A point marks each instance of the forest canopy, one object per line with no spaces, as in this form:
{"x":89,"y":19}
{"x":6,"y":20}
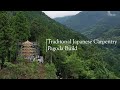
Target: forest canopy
{"x":88,"y":62}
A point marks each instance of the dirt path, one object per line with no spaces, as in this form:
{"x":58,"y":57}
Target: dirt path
{"x":42,"y":71}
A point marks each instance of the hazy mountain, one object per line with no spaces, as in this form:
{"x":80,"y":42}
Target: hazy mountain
{"x":84,"y":19}
{"x":62,"y":19}
{"x":93,"y":24}
{"x":105,"y":25}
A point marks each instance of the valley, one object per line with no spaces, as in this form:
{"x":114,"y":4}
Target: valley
{"x":103,"y":27}
{"x":86,"y":61}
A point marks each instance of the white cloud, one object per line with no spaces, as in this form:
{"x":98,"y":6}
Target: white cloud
{"x":54,"y":14}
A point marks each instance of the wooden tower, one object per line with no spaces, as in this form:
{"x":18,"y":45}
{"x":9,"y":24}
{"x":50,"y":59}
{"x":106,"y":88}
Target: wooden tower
{"x":28,"y":49}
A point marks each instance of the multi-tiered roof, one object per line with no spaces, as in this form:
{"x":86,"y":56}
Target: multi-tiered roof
{"x":28,"y":49}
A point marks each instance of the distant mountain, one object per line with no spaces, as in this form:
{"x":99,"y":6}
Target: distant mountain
{"x":83,"y":20}
{"x":62,"y":19}
{"x":93,"y":24}
{"x":98,"y":25}
{"x":104,"y":26}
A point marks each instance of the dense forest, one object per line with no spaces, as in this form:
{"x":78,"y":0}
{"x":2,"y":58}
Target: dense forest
{"x":88,"y":62}
{"x":103,"y":25}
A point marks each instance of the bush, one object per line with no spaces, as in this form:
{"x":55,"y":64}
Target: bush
{"x":21,"y":70}
{"x":50,"y":71}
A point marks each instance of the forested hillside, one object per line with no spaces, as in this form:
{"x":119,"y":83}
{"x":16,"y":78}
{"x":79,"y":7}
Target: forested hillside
{"x":62,"y":19}
{"x":88,"y":62}
{"x":102,"y":25}
{"x":83,"y":20}
{"x":92,"y":24}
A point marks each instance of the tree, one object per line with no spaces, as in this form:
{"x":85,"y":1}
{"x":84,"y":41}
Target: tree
{"x":50,"y":71}
{"x":5,"y":37}
{"x":34,"y":29}
{"x":21,"y":27}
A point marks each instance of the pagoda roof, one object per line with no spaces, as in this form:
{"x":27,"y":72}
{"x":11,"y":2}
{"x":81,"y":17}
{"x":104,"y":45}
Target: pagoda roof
{"x":27,"y":43}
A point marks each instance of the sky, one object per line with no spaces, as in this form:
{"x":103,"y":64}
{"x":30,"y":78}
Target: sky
{"x":54,"y":14}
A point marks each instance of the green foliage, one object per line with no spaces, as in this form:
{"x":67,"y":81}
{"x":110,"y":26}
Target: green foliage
{"x":6,"y":38}
{"x":21,"y":70}
{"x":50,"y":71}
{"x":87,"y":69}
{"x":88,"y":62}
{"x":21,"y":26}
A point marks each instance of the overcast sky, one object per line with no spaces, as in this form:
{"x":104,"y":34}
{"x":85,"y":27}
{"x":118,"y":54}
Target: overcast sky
{"x":54,"y":14}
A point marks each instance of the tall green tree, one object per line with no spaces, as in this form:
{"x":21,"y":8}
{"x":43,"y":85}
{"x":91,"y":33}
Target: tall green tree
{"x":21,"y":26}
{"x":5,"y":37}
{"x":34,"y":29}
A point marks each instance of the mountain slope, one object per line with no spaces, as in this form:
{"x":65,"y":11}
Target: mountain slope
{"x":85,"y":63}
{"x":84,"y":20}
{"x":103,"y":26}
{"x":62,"y":20}
{"x":100,"y":25}
{"x":48,"y":28}
{"x":93,"y":23}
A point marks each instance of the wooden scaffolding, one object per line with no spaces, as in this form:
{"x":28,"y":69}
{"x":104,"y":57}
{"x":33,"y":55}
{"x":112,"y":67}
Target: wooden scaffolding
{"x":28,"y":49}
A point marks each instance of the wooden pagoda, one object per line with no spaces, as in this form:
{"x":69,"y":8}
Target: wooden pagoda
{"x":28,"y":49}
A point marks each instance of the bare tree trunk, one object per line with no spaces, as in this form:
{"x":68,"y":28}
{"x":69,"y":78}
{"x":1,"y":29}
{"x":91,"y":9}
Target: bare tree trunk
{"x":51,"y":58}
{"x":3,"y":60}
{"x":9,"y":56}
